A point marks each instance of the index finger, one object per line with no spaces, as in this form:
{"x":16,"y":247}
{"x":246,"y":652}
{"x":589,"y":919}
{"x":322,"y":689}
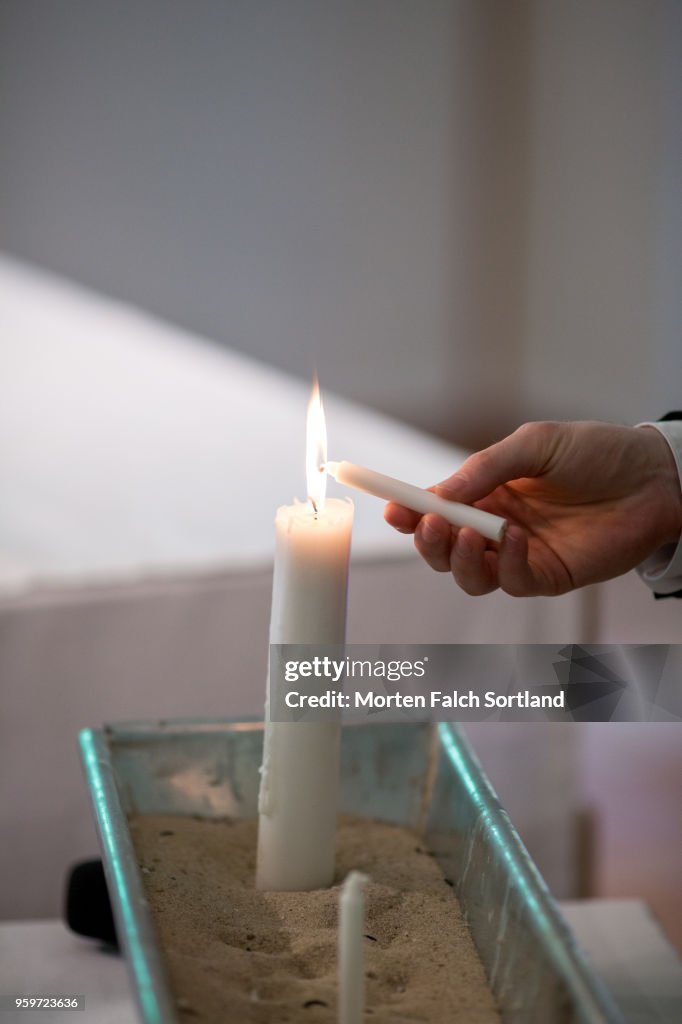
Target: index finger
{"x":405,"y":520}
{"x":525,"y":453}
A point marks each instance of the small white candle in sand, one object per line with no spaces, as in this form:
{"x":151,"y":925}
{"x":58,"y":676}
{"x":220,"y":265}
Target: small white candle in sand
{"x":417,"y":498}
{"x":299,"y":776}
{"x":352,"y":949}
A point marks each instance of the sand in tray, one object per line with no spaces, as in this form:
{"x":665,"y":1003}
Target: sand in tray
{"x":238,"y":955}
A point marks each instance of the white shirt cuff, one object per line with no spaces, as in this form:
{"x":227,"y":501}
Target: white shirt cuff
{"x":662,"y":571}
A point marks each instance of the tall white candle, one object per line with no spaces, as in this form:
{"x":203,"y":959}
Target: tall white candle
{"x":351,"y":939}
{"x":417,"y":498}
{"x":299,"y":776}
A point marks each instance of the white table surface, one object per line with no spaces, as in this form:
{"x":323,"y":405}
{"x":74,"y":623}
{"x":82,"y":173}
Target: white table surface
{"x":632,"y":955}
{"x":625,"y":944}
{"x":45,"y":958}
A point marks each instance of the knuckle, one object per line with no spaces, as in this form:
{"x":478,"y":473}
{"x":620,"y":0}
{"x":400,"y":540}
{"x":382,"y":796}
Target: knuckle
{"x":538,"y":430}
{"x":525,"y":431}
{"x":540,"y":439}
{"x":480,"y":462}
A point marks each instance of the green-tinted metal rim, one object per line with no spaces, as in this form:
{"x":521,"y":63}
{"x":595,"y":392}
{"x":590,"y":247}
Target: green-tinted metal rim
{"x":593,"y":1000}
{"x":133,"y":919}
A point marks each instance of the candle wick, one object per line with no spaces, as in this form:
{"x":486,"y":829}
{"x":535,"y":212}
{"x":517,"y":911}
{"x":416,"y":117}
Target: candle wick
{"x":312,"y":502}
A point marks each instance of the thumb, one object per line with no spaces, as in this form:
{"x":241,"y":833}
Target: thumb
{"x":525,"y":453}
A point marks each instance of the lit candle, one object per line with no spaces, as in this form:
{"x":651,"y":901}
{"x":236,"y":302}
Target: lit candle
{"x":416,"y":498}
{"x":299,"y":776}
{"x":352,"y":949}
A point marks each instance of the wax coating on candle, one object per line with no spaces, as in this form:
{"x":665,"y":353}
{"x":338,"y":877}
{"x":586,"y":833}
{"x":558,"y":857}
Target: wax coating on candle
{"x":352,"y":949}
{"x":417,"y":498}
{"x":299,"y":776}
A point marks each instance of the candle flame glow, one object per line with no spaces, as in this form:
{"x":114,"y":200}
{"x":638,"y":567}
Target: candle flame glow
{"x":316,"y":449}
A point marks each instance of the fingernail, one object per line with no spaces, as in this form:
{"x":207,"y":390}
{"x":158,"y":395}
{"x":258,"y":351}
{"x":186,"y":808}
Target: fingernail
{"x":452,"y":488}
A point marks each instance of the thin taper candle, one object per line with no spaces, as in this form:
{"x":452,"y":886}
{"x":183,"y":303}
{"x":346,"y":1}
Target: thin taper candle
{"x":352,"y":949}
{"x":416,"y":498}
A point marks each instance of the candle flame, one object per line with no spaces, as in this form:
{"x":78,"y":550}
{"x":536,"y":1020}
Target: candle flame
{"x":316,"y":449}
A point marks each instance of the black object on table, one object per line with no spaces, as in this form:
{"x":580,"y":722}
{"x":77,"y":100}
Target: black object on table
{"x":87,"y":907}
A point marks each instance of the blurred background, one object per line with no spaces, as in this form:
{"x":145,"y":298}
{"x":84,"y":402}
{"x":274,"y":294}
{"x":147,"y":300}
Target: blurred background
{"x":477,"y":201}
{"x":463,"y":213}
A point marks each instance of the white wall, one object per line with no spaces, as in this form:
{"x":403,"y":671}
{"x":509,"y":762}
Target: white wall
{"x":602,"y":334}
{"x":465,"y":212}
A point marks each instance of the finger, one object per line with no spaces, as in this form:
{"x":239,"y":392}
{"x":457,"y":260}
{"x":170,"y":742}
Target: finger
{"x":433,"y":541}
{"x":525,"y":453}
{"x":471,"y":567}
{"x":400,"y":518}
{"x":514,"y":572}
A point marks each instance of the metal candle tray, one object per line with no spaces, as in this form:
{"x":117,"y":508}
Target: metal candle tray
{"x":421,"y":775}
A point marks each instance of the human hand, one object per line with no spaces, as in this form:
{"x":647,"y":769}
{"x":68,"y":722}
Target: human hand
{"x":585,"y":501}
